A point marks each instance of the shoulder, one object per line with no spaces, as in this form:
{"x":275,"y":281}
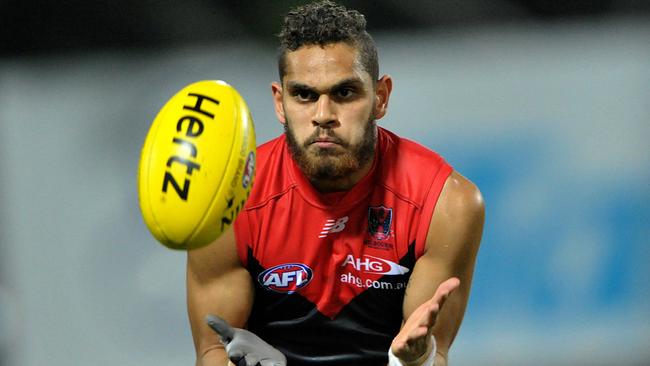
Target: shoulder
{"x":271,"y":176}
{"x":458,"y":218}
{"x":461,"y":197}
{"x":267,"y":150}
{"x":405,"y":150}
{"x":410,"y":168}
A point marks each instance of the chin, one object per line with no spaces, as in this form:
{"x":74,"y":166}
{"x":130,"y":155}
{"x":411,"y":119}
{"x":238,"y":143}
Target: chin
{"x":319,"y":152}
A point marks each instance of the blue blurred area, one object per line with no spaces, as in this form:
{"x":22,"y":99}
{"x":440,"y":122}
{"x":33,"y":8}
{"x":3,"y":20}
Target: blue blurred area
{"x":601,"y":237}
{"x":551,"y":122}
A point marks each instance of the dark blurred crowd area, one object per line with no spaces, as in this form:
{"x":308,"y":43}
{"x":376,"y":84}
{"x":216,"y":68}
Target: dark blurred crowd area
{"x":34,"y":27}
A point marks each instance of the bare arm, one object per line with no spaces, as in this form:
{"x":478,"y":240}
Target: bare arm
{"x":217,"y":283}
{"x":451,"y":248}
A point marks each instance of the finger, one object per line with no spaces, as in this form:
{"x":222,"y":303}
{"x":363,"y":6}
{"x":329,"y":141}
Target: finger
{"x":444,"y":290}
{"x":236,"y":356}
{"x":225,"y":331}
{"x":442,"y":293}
{"x":267,"y":362}
{"x":423,"y":316}
{"x":452,"y":285}
{"x":432,"y":315}
{"x":252,"y":359}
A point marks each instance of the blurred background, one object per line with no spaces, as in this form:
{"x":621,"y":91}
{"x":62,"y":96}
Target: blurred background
{"x":544,"y":104}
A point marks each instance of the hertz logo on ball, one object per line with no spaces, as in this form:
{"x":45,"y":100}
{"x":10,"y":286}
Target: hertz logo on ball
{"x":199,"y":150}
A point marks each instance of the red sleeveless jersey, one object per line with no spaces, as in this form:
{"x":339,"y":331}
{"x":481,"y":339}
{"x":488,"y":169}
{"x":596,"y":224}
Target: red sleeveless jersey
{"x":330,"y":270}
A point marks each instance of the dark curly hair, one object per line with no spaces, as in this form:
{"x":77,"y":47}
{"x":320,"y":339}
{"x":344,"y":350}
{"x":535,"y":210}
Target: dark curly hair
{"x":322,"y":23}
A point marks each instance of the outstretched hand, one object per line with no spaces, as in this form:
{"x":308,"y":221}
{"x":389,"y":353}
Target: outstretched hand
{"x":413,"y":343}
{"x":244,"y":348}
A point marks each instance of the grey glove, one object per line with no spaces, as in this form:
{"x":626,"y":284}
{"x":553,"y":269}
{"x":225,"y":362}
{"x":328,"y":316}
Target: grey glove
{"x":244,"y":348}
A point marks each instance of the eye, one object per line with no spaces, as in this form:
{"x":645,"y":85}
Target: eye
{"x":344,"y":93}
{"x":304,"y":95}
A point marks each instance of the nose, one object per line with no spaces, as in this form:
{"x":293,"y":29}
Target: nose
{"x":324,"y":115}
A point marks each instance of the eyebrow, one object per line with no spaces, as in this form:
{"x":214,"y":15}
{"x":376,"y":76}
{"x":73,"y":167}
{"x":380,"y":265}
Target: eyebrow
{"x":349,"y":82}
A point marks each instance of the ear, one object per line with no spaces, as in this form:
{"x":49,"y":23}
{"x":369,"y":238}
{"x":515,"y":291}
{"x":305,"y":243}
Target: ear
{"x":276,"y":89}
{"x":382,"y":94}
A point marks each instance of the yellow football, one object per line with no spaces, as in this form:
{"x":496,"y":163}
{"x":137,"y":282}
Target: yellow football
{"x":197,"y":165}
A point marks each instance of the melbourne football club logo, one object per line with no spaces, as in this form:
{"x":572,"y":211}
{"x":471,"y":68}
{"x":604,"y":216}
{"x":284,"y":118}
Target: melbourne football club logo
{"x":379,"y":220}
{"x":287,"y":278}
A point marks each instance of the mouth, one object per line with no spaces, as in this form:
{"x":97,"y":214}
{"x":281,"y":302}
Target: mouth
{"x":325,"y":142}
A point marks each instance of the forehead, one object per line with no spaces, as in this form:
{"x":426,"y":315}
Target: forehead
{"x":318,"y":65}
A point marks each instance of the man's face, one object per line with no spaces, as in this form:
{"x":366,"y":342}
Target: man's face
{"x":328,"y":105}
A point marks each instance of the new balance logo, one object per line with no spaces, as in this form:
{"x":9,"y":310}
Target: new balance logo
{"x":333,"y":226}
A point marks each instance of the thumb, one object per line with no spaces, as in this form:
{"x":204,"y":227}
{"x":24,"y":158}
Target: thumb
{"x":223,"y":329}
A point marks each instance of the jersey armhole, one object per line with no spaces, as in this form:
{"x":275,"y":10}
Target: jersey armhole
{"x":429,"y":206}
{"x":242,"y":236}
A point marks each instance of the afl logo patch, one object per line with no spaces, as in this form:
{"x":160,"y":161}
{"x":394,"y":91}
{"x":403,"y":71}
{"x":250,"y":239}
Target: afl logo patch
{"x":286,"y":278}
